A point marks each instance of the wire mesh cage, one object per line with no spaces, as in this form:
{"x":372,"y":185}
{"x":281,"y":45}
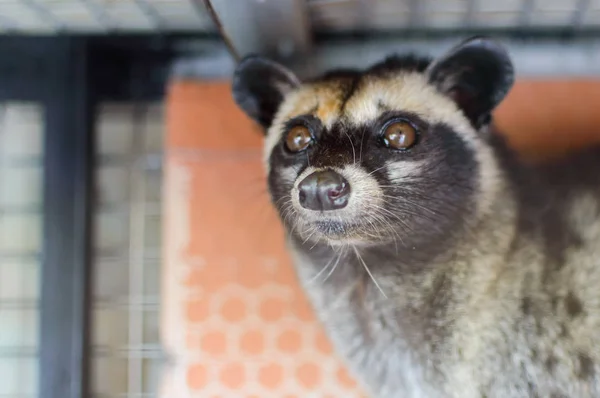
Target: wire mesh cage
{"x":70,"y":68}
{"x":126,"y":350}
{"x":431,"y":14}
{"x":101,"y":16}
{"x":20,"y":247}
{"x":127,"y":353}
{"x":109,"y":16}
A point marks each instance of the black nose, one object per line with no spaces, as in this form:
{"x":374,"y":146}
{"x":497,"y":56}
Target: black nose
{"x":324,"y":190}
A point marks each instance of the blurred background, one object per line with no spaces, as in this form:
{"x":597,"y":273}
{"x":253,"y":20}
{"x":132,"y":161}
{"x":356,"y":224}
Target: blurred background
{"x":82,"y":96}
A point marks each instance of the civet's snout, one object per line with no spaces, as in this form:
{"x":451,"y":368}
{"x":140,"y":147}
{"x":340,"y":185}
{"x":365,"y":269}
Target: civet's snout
{"x":324,"y":190}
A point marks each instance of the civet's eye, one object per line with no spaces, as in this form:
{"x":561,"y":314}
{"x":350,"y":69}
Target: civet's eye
{"x":399,"y":134}
{"x":298,"y":138}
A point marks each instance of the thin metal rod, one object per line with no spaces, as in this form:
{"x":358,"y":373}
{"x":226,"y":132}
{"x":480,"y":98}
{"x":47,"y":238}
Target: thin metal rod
{"x":472,"y":7}
{"x":527,"y":8}
{"x":99,"y":13}
{"x":217,"y":21}
{"x":3,"y":132}
{"x":416,"y":13}
{"x":151,"y":14}
{"x":67,"y":225}
{"x":137,"y":229}
{"x":579,"y":14}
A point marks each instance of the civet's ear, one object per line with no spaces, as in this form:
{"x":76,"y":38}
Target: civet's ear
{"x":259,"y":86}
{"x":477,"y":74}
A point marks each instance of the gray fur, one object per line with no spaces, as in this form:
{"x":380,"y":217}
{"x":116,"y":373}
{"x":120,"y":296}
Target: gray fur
{"x":481,"y":323}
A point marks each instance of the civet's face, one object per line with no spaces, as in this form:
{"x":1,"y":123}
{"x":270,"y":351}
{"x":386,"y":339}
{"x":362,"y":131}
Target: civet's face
{"x":389,"y":154}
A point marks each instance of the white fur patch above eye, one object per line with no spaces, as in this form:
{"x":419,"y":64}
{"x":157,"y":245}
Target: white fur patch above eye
{"x":404,"y":170}
{"x":297,"y":102}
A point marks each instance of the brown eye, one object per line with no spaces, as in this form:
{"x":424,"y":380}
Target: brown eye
{"x":298,"y":138}
{"x":399,"y":135}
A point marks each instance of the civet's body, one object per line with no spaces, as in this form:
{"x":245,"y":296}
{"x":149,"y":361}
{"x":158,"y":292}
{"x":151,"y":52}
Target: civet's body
{"x":440,"y":264}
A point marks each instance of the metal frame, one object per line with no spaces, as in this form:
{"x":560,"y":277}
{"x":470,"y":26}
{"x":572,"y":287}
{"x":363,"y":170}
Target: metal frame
{"x":68,"y":185}
{"x":537,"y":53}
{"x":69,"y":76}
{"x":51,"y":20}
{"x":53,"y":73}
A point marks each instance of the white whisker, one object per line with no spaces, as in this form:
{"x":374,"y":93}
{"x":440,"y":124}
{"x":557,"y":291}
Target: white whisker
{"x":368,"y":271}
{"x":314,"y":278}
{"x":362,"y":137}
{"x":334,"y":266}
{"x":352,"y":145}
{"x":377,"y":169}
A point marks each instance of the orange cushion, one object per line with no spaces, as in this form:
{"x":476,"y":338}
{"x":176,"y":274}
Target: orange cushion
{"x":234,"y":319}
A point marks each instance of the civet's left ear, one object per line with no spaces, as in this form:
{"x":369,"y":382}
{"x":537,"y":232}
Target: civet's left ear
{"x":477,"y":74}
{"x":259,"y":86}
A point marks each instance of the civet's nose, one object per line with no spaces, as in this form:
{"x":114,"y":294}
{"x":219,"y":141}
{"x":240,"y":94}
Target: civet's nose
{"x":324,"y":190}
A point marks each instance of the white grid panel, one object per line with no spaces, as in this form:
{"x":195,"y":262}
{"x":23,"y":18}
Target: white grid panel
{"x":50,"y":16}
{"x":127,"y":352}
{"x":554,"y":12}
{"x":592,"y":16}
{"x":21,"y":155}
{"x":504,"y":13}
{"x":340,"y":15}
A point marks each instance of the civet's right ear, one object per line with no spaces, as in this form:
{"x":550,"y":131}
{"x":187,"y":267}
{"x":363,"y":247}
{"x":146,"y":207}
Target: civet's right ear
{"x":259,"y":86}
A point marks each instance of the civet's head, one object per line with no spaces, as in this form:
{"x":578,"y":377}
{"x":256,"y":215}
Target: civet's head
{"x":396,"y":152}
